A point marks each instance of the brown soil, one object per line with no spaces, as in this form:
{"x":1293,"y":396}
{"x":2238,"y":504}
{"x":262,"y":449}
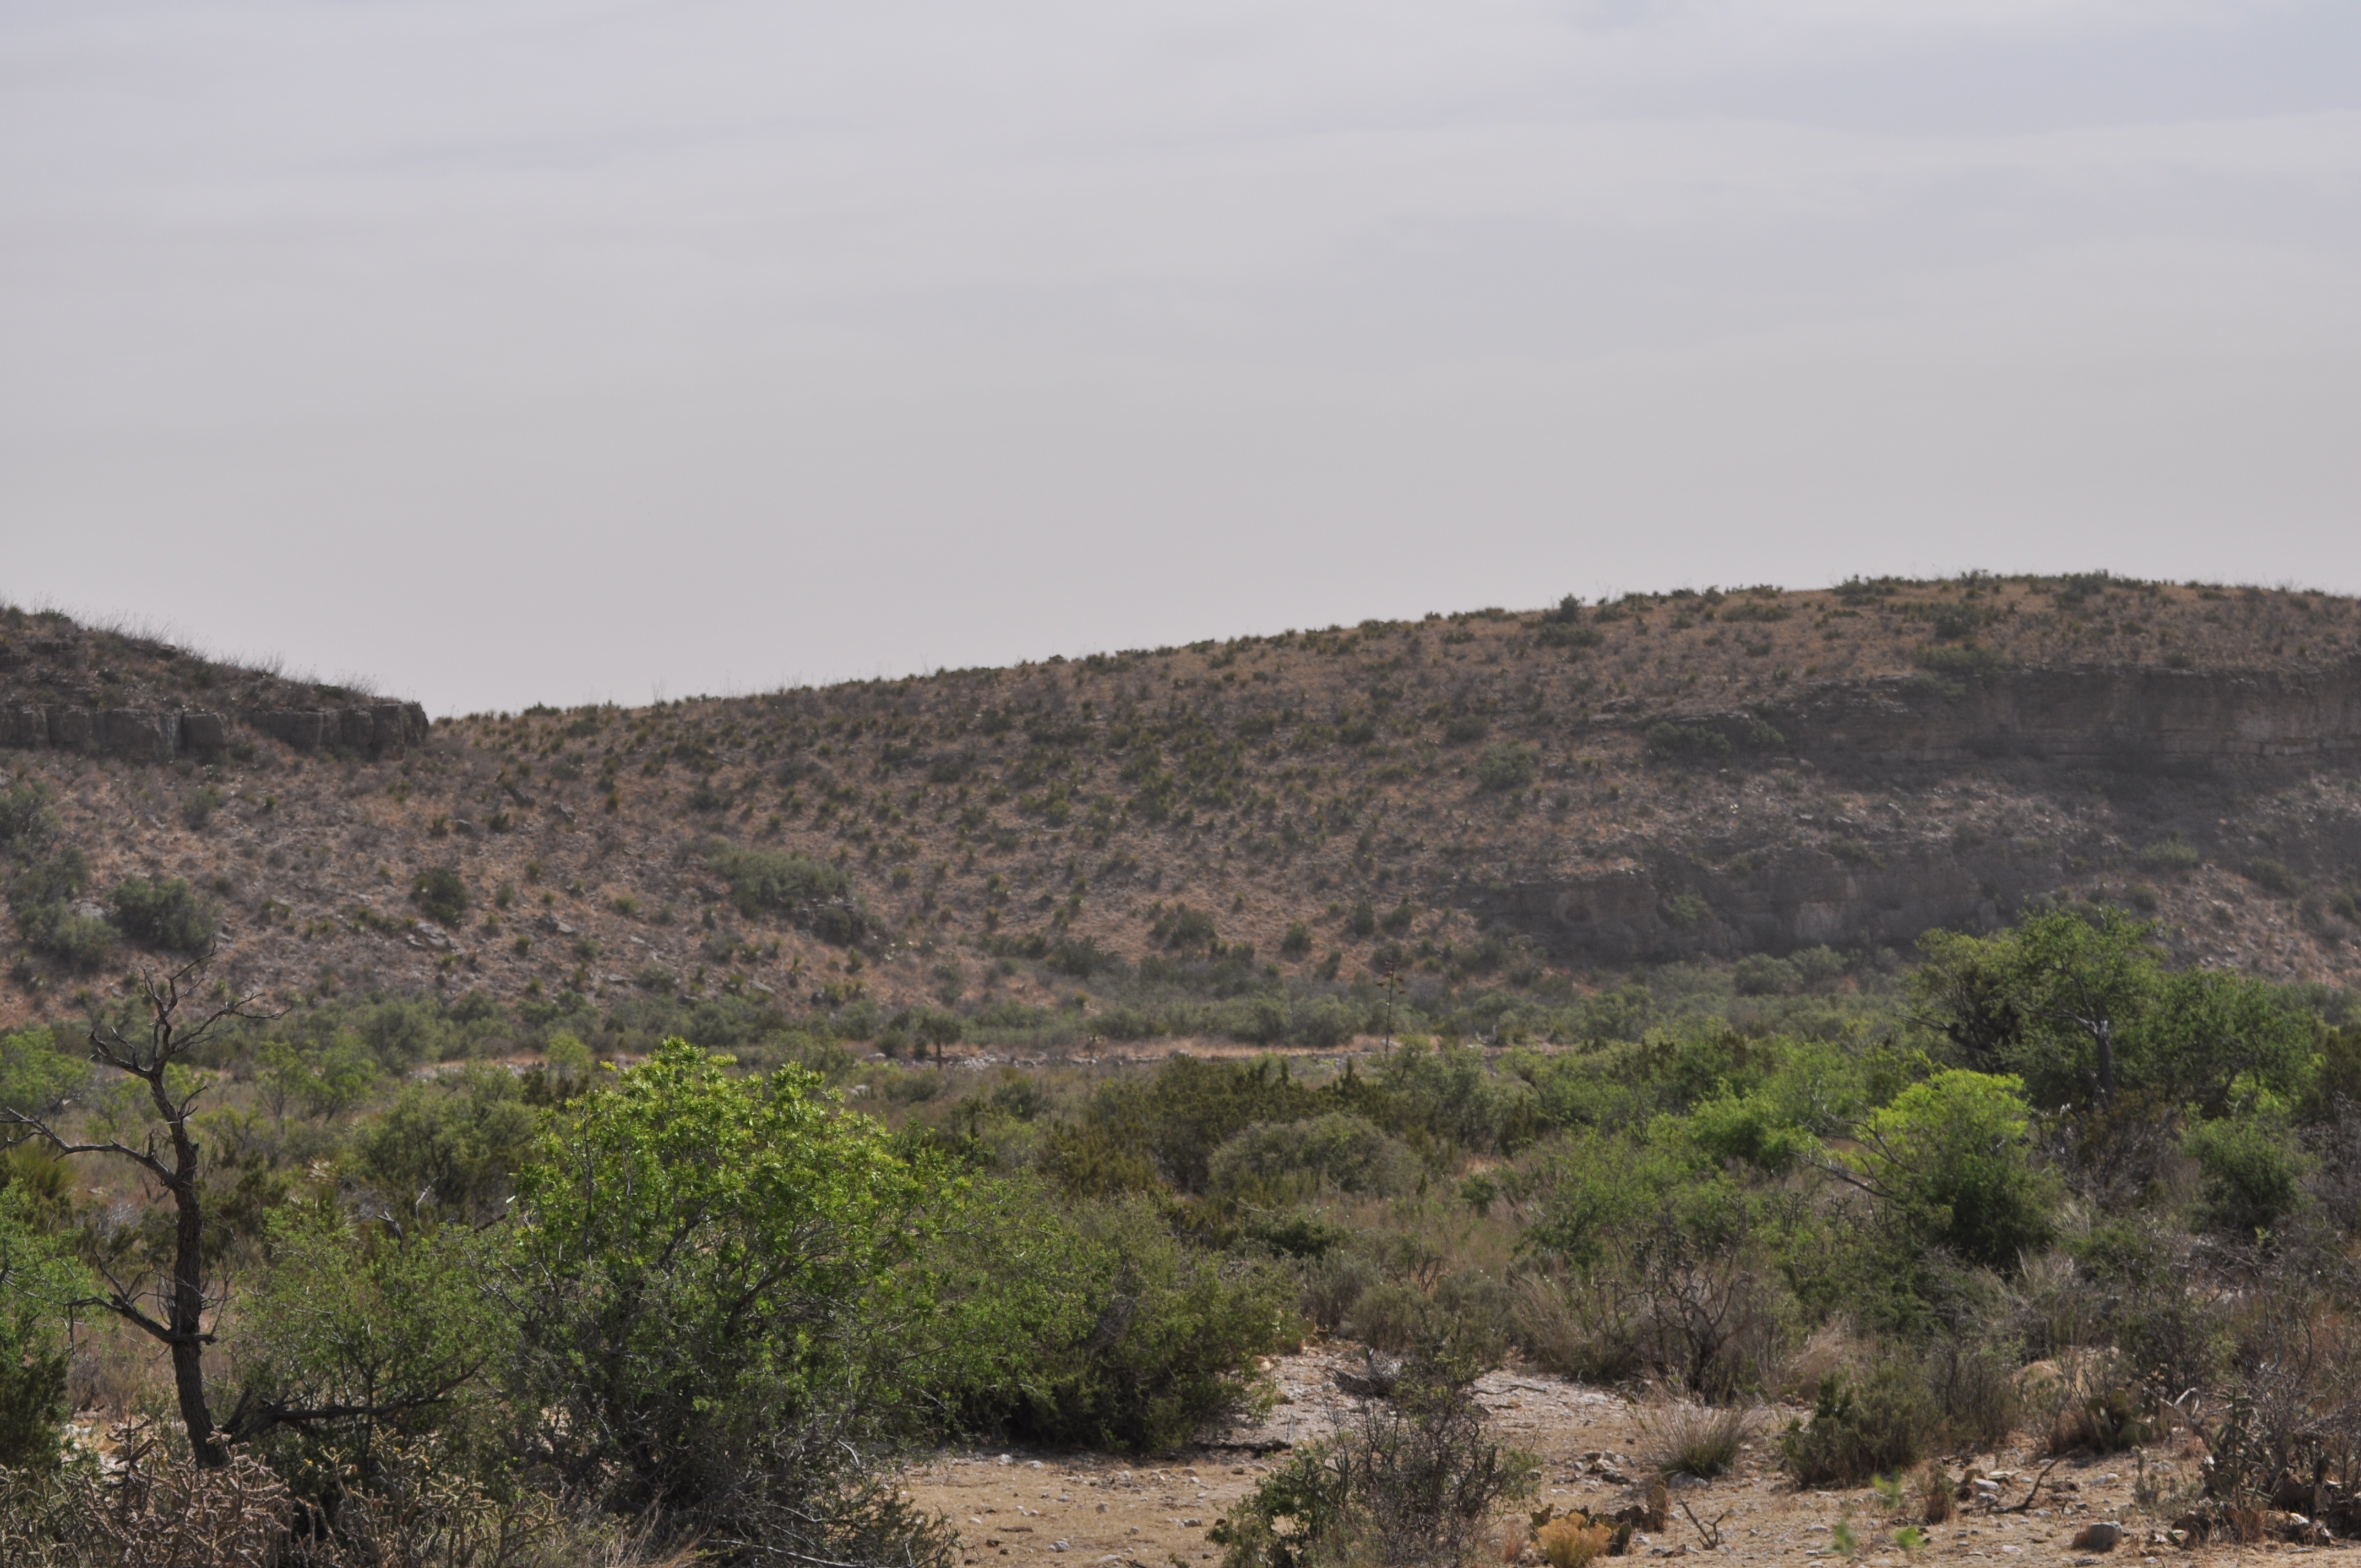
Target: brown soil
{"x":1048,"y":1508}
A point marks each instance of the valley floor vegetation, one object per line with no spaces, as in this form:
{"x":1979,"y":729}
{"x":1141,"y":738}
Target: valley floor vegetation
{"x":371,"y":1282}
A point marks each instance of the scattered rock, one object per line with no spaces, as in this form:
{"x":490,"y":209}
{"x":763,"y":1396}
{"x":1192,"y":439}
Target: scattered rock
{"x":2099,"y":1537}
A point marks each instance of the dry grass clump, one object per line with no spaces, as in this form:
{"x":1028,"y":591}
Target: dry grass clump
{"x":1571,"y":1542}
{"x":1692,"y":1440}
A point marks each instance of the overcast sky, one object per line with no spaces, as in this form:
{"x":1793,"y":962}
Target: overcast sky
{"x":517,"y":350}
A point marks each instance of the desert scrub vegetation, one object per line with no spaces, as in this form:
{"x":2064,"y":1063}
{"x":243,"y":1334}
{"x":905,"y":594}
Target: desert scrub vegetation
{"x":788,"y":1250}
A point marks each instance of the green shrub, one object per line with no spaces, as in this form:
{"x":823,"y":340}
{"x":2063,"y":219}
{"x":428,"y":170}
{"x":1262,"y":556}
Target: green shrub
{"x":2273,"y":876}
{"x":1556,"y":634}
{"x":1184,"y":929}
{"x":1687,"y":742}
{"x":2168,"y":856}
{"x":1506,"y":766}
{"x":1337,"y":1150}
{"x":165,"y":913}
{"x":1760,"y":974}
{"x":793,"y":886}
{"x":452,"y":1143}
{"x":1466,"y":729}
{"x":440,"y":894}
{"x":76,"y":941}
{"x":1859,"y":1429}
{"x":1413,"y":1480}
{"x":36,"y":1076}
{"x":1297,"y":942}
{"x":26,"y":817}
{"x":38,"y":1279}
{"x":1949,"y":1159}
{"x":2253,"y":1173}
{"x":703,"y":1264}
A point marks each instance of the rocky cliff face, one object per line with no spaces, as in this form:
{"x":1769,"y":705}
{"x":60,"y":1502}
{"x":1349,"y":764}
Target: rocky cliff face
{"x":2187,"y":721}
{"x":158,"y":735}
{"x":2207,"y":740}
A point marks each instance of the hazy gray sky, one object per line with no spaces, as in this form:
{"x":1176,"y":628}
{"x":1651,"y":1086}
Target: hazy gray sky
{"x":513,"y":350}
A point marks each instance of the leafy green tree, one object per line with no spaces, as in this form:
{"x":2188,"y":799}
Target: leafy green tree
{"x":2083,"y":1009}
{"x":693,"y":1281}
{"x":1949,"y":1160}
{"x":2253,"y":1173}
{"x":354,"y":1330}
{"x":36,"y":1076}
{"x":39,"y":1280}
{"x":452,"y":1143}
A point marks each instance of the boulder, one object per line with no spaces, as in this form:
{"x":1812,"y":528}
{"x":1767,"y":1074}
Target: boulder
{"x":2101,"y":1536}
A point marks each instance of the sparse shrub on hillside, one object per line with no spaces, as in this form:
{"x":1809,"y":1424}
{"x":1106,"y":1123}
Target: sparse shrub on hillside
{"x":26,"y":817}
{"x":1687,"y":742}
{"x":1960,"y":660}
{"x":441,"y":895}
{"x":1297,"y":942}
{"x":2273,"y":876}
{"x":1506,"y":766}
{"x":1465,"y":729}
{"x":2169,"y":856}
{"x":794,"y":886}
{"x":164,"y":913}
{"x":1559,"y":634}
{"x":1183,"y":928}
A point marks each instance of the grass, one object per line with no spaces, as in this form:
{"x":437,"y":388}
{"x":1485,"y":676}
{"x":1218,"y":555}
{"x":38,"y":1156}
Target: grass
{"x":1692,"y":1440}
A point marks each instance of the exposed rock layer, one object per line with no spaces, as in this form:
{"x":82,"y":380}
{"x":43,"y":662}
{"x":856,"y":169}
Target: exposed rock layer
{"x":379,"y":729}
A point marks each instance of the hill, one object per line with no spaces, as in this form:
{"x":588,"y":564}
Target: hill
{"x":1506,"y":811}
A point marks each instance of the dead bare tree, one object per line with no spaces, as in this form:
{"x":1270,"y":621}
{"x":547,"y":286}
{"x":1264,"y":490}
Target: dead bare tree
{"x":160,"y":1060}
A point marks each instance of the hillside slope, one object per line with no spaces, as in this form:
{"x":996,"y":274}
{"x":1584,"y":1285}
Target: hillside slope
{"x":1533,"y":801}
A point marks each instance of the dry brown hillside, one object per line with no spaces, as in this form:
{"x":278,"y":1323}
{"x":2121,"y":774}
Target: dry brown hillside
{"x":1483,"y":799}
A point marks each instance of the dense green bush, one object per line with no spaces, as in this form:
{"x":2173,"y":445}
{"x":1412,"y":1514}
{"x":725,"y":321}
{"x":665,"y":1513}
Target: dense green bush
{"x":164,"y":913}
{"x":441,"y":895}
{"x":452,"y":1143}
{"x":1880,"y":1425}
{"x":2253,"y":1173}
{"x":703,"y":1289}
{"x":38,"y":1277}
{"x":36,"y":1076}
{"x":794,"y":886}
{"x":1280,"y":1160}
{"x":1949,"y":1159}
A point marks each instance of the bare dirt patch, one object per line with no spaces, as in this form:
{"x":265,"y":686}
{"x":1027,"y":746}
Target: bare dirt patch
{"x":1020,"y":1506}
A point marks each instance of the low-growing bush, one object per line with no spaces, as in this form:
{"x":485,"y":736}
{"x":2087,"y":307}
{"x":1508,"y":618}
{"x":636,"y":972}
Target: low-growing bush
{"x":2252,"y":1172}
{"x":1293,"y":1159}
{"x":1506,"y":766}
{"x":1694,"y":1439}
{"x":441,"y":895}
{"x":1411,"y":1481}
{"x":165,"y":913}
{"x":1863,"y":1427}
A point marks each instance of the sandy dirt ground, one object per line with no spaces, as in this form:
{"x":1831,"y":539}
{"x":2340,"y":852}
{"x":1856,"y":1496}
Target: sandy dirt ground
{"x":1022,"y":1507}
